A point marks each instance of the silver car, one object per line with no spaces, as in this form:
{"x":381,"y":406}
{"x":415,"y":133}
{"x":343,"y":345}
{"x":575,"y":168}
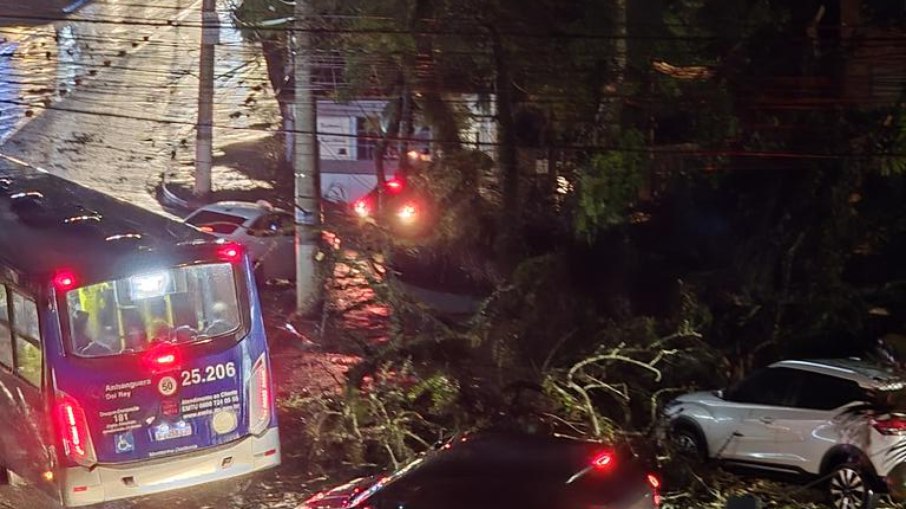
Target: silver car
{"x":831,"y":420}
{"x":266,"y":231}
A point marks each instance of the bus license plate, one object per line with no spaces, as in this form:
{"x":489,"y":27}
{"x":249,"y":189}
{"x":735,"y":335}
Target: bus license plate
{"x":167,"y":432}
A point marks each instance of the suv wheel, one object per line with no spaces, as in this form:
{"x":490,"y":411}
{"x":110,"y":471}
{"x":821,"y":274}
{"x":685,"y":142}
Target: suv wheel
{"x":848,"y":487}
{"x":688,"y":442}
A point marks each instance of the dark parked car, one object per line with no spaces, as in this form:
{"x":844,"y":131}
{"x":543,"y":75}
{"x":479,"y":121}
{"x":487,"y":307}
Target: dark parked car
{"x":503,"y":470}
{"x":399,"y":208}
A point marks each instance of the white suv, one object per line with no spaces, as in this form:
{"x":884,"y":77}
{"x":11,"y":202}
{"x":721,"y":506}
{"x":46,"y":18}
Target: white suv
{"x":830,"y":419}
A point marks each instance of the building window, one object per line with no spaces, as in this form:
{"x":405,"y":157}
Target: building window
{"x":366,"y":134}
{"x":27,"y":339}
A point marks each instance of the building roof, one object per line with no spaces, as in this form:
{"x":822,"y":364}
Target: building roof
{"x":866,"y":374}
{"x":48,"y":223}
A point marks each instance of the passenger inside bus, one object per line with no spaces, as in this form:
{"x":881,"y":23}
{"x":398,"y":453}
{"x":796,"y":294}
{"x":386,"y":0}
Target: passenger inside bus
{"x":220,"y":322}
{"x":128,"y":315}
{"x":106,"y":343}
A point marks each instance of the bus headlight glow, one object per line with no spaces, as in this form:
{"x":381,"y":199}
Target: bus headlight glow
{"x":148,"y":286}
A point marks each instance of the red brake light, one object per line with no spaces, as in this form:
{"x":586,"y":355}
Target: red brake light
{"x":64,"y":280}
{"x":604,"y":461}
{"x":260,"y":392}
{"x":161,"y":357}
{"x":73,"y":428}
{"x":893,"y":425}
{"x":655,"y":485}
{"x":230,"y":253}
{"x":394,"y":185}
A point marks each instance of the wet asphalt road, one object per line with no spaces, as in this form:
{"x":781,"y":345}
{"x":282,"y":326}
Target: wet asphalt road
{"x":106,"y":96}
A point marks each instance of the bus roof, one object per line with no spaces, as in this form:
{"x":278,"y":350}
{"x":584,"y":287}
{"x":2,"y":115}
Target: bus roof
{"x":48,"y":223}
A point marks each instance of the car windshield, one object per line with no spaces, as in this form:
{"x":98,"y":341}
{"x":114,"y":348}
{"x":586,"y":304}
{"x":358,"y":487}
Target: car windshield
{"x":215,"y":222}
{"x":129,"y":315}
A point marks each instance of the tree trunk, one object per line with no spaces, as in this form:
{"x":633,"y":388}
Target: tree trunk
{"x":279,"y":74}
{"x":509,"y":221}
{"x":380,"y":149}
{"x":406,"y":127}
{"x":610,"y":108}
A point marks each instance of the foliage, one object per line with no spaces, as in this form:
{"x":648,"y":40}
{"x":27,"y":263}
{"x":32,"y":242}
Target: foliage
{"x":610,"y":186}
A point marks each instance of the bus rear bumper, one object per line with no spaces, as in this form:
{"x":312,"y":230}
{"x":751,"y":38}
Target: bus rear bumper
{"x":104,"y":483}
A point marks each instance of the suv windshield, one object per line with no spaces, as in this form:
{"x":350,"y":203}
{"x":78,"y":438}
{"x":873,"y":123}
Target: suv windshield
{"x":128,"y":315}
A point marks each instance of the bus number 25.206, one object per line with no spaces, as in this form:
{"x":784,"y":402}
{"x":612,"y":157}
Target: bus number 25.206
{"x":208,"y":374}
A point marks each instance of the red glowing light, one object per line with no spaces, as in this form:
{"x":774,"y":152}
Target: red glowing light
{"x":604,"y":461}
{"x":161,"y":357}
{"x":73,"y":428}
{"x":394,"y":185}
{"x":64,"y":280}
{"x":230,"y":253}
{"x":655,"y":484}
{"x":165,"y":359}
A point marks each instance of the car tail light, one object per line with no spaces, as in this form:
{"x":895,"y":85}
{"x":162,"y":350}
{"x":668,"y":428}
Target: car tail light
{"x":230,"y":252}
{"x":73,"y":429}
{"x":605,"y":461}
{"x":894,"y":425}
{"x":261,"y":398}
{"x":655,"y":484}
{"x":362,"y":209}
{"x":394,"y":185}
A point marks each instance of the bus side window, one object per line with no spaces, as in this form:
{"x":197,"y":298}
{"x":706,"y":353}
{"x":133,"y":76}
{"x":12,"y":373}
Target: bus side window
{"x":6,"y":337}
{"x":27,"y":339}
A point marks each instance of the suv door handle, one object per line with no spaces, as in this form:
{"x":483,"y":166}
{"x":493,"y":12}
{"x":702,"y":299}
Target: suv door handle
{"x":767,"y":420}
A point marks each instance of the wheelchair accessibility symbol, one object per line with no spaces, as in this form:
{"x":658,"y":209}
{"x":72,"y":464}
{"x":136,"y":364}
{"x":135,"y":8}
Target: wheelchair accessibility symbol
{"x":125,"y":442}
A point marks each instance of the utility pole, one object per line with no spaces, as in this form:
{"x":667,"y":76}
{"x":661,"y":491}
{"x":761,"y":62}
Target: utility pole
{"x":204,"y":125}
{"x":306,"y":166}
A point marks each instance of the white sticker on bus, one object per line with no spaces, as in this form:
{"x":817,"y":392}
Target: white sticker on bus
{"x":208,"y":374}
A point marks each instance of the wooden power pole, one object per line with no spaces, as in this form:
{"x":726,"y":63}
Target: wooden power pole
{"x":306,"y":166}
{"x":204,"y":125}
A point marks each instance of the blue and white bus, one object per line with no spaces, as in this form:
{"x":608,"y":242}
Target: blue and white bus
{"x":133,"y":357}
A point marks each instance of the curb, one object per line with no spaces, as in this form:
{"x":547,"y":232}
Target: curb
{"x":170,"y":200}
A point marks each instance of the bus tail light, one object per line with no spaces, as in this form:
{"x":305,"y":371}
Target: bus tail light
{"x":261,"y":398}
{"x":161,"y":357}
{"x":73,"y":429}
{"x":64,"y":280}
{"x":230,"y":252}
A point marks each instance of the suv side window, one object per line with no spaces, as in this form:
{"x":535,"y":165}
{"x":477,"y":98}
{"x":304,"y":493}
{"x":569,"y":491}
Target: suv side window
{"x":6,"y":332}
{"x":824,"y":392}
{"x":768,"y":386}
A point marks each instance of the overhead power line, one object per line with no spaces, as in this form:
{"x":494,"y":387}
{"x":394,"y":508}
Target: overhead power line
{"x":729,"y":152}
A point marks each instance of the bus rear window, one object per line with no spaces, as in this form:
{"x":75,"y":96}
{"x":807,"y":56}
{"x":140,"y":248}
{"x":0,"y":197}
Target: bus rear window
{"x":129,"y":315}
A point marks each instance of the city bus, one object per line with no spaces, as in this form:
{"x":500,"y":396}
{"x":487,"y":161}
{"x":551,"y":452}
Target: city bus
{"x":133,"y":357}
